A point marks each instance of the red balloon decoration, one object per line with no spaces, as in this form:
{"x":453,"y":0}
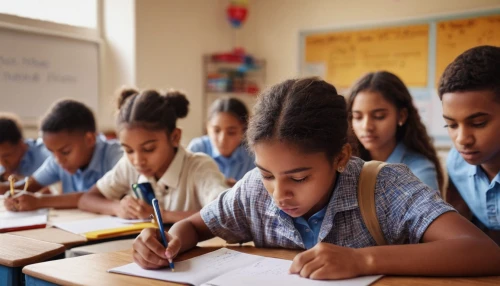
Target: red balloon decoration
{"x":237,"y":13}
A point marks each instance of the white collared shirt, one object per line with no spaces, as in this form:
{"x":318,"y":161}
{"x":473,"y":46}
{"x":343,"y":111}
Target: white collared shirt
{"x":190,"y":182}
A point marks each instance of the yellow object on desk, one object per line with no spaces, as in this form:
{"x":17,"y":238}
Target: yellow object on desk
{"x":120,"y":231}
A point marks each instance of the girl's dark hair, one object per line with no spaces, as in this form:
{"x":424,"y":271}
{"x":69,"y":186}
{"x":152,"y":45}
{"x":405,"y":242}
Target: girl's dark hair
{"x":413,"y":132}
{"x":307,"y":113}
{"x":10,"y":129}
{"x":151,"y":110}
{"x":232,"y":106}
{"x":68,"y":115}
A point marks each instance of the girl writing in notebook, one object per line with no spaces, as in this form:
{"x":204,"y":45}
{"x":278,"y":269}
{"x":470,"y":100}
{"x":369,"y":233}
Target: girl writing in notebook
{"x":226,"y":126}
{"x":183,"y":182}
{"x":302,"y":195}
{"x":388,"y":126}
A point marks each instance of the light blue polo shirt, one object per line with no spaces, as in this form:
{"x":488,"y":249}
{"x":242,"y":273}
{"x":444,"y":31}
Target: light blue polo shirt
{"x":236,"y":166}
{"x":309,"y":229}
{"x":33,"y":158}
{"x":105,"y":156}
{"x":420,"y":166}
{"x":473,"y":184}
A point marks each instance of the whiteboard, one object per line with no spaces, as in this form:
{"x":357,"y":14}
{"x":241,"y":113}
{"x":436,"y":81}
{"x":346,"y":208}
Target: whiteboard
{"x":38,"y":69}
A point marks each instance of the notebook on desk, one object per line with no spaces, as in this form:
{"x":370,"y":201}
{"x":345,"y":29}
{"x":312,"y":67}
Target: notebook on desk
{"x":16,"y":221}
{"x":228,"y":267}
{"x":104,"y":227}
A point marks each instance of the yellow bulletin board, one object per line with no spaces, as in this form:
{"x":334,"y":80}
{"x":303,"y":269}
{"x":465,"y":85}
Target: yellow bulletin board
{"x":347,"y":55}
{"x":417,"y":51}
{"x":456,"y":36}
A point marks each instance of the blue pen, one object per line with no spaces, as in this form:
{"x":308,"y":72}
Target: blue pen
{"x":162,"y":230}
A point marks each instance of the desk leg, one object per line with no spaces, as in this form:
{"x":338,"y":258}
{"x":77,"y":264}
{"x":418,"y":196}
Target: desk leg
{"x":10,"y":275}
{"x":32,"y":281}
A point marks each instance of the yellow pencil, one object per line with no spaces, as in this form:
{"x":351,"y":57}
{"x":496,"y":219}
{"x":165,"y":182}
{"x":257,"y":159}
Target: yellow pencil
{"x":26,"y":183}
{"x":11,"y":180}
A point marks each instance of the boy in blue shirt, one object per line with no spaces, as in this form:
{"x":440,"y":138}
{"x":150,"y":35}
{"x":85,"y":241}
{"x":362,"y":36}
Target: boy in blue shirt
{"x":80,"y":158}
{"x":470,"y":93}
{"x":19,"y":157}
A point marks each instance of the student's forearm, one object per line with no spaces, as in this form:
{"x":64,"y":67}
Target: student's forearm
{"x":65,"y":201}
{"x":453,"y":257}
{"x":34,"y":186}
{"x":97,"y":203}
{"x":175,"y":216}
{"x":188,"y":234}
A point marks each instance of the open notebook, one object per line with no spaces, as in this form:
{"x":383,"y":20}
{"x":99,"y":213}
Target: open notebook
{"x":14,"y":221}
{"x":228,"y":267}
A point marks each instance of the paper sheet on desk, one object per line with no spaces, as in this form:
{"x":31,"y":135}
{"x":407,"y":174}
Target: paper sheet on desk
{"x":273,"y":271}
{"x":132,"y":221}
{"x":15,"y":220}
{"x":96,"y":224}
{"x":229,"y":267}
{"x":194,"y":271}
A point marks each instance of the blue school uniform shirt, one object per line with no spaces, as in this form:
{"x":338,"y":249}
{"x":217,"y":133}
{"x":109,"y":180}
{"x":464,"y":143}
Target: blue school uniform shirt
{"x":405,"y":208}
{"x":33,"y":158}
{"x":235,"y":166}
{"x":473,"y":184}
{"x":421,"y":167}
{"x":309,"y":229}
{"x":105,"y":156}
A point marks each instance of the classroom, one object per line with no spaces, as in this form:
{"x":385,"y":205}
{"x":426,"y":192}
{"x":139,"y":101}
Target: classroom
{"x":249,"y":142}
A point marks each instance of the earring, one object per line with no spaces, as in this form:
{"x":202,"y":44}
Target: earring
{"x":400,"y":123}
{"x":340,"y":169}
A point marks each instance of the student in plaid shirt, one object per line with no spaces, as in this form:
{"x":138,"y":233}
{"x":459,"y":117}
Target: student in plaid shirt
{"x":302,"y":195}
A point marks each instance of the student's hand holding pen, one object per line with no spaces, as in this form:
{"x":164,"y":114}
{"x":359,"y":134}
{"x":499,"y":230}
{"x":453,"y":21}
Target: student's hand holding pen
{"x":22,"y":201}
{"x":132,"y":208}
{"x":150,"y":253}
{"x":17,"y":200}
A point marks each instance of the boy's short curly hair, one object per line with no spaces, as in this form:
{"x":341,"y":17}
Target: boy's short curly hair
{"x":10,"y":128}
{"x":476,"y":69}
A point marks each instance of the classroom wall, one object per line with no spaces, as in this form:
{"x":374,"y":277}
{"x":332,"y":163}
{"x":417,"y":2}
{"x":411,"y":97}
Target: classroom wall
{"x":273,"y":26}
{"x":118,"y":56}
{"x":172,"y":36}
{"x":160,"y":43}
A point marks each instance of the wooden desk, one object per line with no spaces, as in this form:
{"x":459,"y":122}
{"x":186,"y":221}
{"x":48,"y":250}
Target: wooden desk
{"x":91,"y":270}
{"x":65,"y":238}
{"x":104,"y":247}
{"x":54,"y":235}
{"x":219,"y":242}
{"x":67,"y":215}
{"x":16,"y":252}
